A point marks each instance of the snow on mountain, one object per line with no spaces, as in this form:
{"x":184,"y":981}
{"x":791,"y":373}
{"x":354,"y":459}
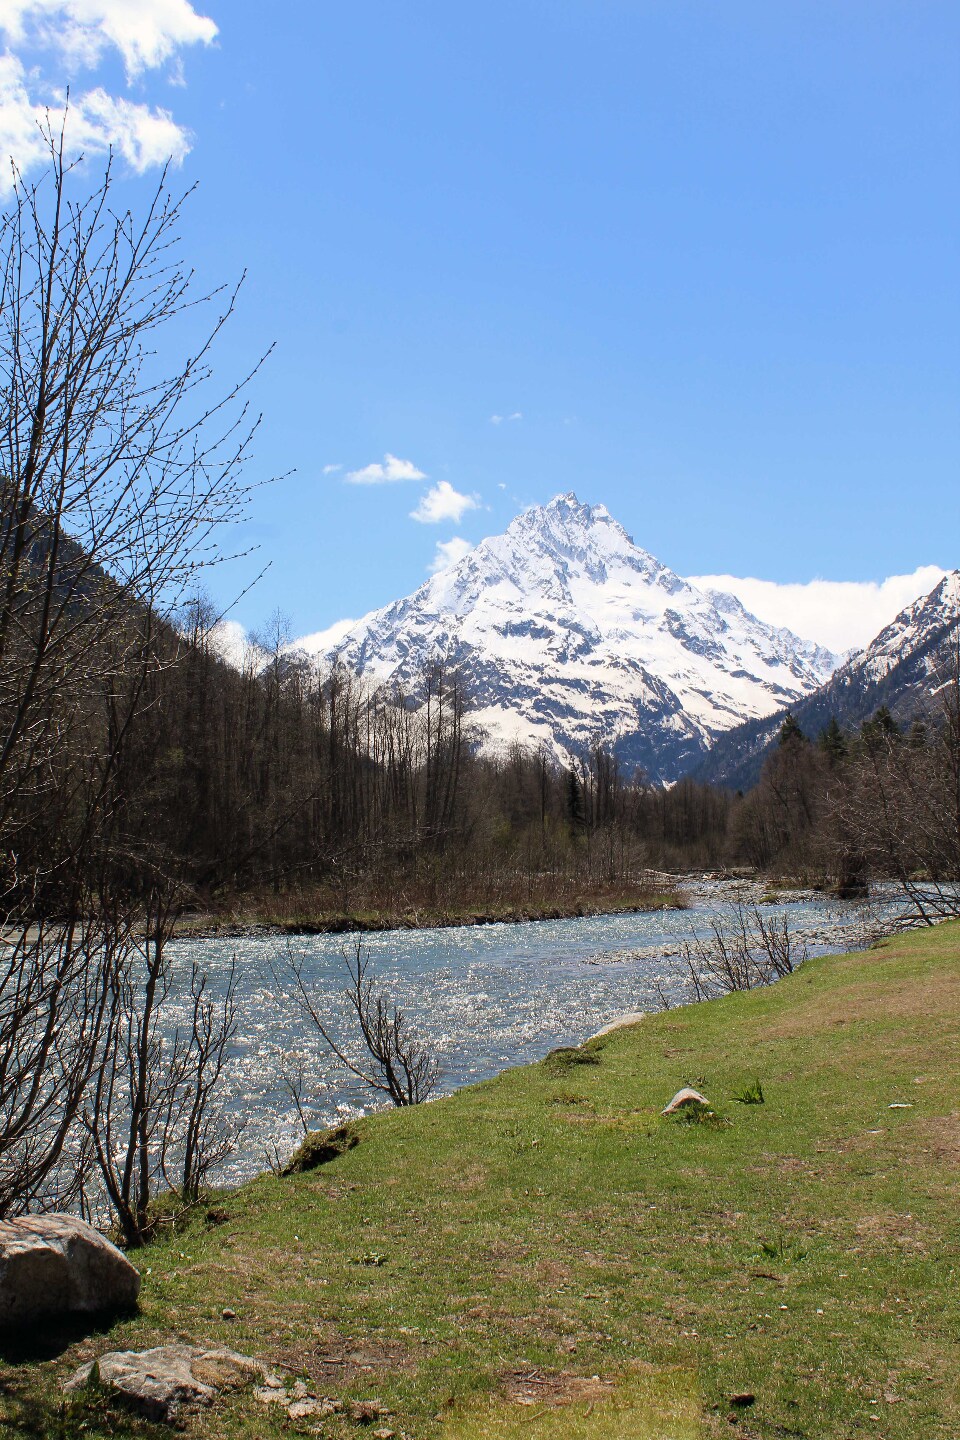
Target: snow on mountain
{"x":903,"y":668}
{"x":911,"y":631}
{"x":566,"y":632}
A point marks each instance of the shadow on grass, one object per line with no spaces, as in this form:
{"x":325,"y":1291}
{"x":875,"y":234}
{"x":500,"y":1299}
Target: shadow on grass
{"x":29,"y":1344}
{"x":85,"y":1417}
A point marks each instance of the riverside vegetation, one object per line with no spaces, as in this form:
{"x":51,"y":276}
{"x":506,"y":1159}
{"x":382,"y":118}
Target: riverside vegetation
{"x":544,"y":1255}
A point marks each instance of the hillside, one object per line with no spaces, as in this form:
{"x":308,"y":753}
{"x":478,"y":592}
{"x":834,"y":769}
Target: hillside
{"x":544,"y":1256}
{"x":565,"y":634}
{"x":902,"y":668}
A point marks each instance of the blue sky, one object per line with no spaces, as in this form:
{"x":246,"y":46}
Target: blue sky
{"x":701,"y":260}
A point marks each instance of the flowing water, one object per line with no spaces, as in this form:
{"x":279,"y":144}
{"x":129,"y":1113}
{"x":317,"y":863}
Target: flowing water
{"x":485,"y":996}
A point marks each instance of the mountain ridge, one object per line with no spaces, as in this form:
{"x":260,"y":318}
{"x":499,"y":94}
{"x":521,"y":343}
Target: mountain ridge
{"x":901,"y":668}
{"x":567,"y":633}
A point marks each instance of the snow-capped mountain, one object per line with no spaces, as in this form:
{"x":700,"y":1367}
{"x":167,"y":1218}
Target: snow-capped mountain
{"x":903,"y":668}
{"x":910,"y":634}
{"x":566,"y":633}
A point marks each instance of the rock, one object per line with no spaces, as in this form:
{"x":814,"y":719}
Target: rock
{"x":161,"y":1383}
{"x":365,"y":1412}
{"x":298,"y":1402}
{"x":303,"y":1409}
{"x":270,"y":1395}
{"x":633,"y":1017}
{"x":228,"y":1314}
{"x":682,"y":1099}
{"x":58,"y":1265}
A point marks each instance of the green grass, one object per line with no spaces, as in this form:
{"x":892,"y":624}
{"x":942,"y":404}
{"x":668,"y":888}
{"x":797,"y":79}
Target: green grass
{"x":554,"y":1259}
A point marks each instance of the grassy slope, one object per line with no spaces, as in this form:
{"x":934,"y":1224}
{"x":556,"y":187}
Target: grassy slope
{"x":547,"y":1227}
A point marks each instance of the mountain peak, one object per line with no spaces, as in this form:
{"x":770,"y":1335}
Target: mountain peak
{"x":566,"y":634}
{"x":565,"y":515}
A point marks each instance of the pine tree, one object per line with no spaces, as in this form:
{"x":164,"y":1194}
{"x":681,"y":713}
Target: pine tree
{"x":833,"y":742}
{"x":790,"y":732}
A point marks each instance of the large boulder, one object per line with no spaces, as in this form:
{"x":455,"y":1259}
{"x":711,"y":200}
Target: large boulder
{"x":162,"y":1383}
{"x":57,"y":1265}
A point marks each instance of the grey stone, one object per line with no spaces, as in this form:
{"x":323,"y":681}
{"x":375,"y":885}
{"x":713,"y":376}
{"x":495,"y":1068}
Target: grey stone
{"x":303,"y":1409}
{"x":682,"y":1099}
{"x":57,"y":1265}
{"x":271,"y":1395}
{"x":632,"y":1018}
{"x":163,"y":1382}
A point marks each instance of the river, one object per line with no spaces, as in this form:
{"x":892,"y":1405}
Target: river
{"x":486,"y":996}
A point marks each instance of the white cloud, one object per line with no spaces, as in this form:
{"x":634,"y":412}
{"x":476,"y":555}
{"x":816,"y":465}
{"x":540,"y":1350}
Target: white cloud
{"x":448,"y":552}
{"x":77,"y":34}
{"x":230,"y":641}
{"x":144,"y":137}
{"x":96,"y":122}
{"x":147,"y":33}
{"x":331,"y":469}
{"x":499,"y":419}
{"x":840,"y":614}
{"x":322,"y":641}
{"x":442,"y":502}
{"x":391,"y":469}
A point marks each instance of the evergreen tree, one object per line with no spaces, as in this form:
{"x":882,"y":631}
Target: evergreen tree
{"x":576,"y":816}
{"x":790,"y":732}
{"x":833,"y":743}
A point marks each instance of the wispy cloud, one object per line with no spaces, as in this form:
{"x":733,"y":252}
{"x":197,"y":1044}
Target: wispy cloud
{"x":840,"y":614}
{"x":448,"y":552}
{"x":442,"y":502}
{"x":331,"y":469}
{"x":501,"y":419}
{"x":391,"y":470}
{"x":73,"y":36}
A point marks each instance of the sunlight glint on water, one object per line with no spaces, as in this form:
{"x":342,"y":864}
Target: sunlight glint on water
{"x":487,"y":996}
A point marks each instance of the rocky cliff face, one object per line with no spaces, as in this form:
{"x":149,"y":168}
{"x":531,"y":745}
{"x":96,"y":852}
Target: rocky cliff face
{"x":567,"y":633}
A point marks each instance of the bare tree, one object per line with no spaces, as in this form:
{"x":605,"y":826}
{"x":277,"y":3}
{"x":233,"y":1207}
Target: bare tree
{"x":745,"y":949}
{"x":116,"y":477}
{"x":391,"y":1059}
{"x":901,"y":800}
{"x":56,"y":984}
{"x":151,"y":1114}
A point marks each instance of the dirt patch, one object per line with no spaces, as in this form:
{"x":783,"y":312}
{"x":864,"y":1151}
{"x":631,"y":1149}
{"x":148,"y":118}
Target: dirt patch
{"x":939,"y":1138}
{"x":553,"y":1388}
{"x":334,"y":1362}
{"x":473,"y":1179}
{"x":930,"y":995}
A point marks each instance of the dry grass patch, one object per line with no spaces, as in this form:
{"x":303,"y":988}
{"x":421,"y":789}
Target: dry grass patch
{"x":540,"y":1405}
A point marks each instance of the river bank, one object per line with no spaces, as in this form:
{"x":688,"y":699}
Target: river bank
{"x":317,"y":915}
{"x":544,"y":1256}
{"x":484,"y":997}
